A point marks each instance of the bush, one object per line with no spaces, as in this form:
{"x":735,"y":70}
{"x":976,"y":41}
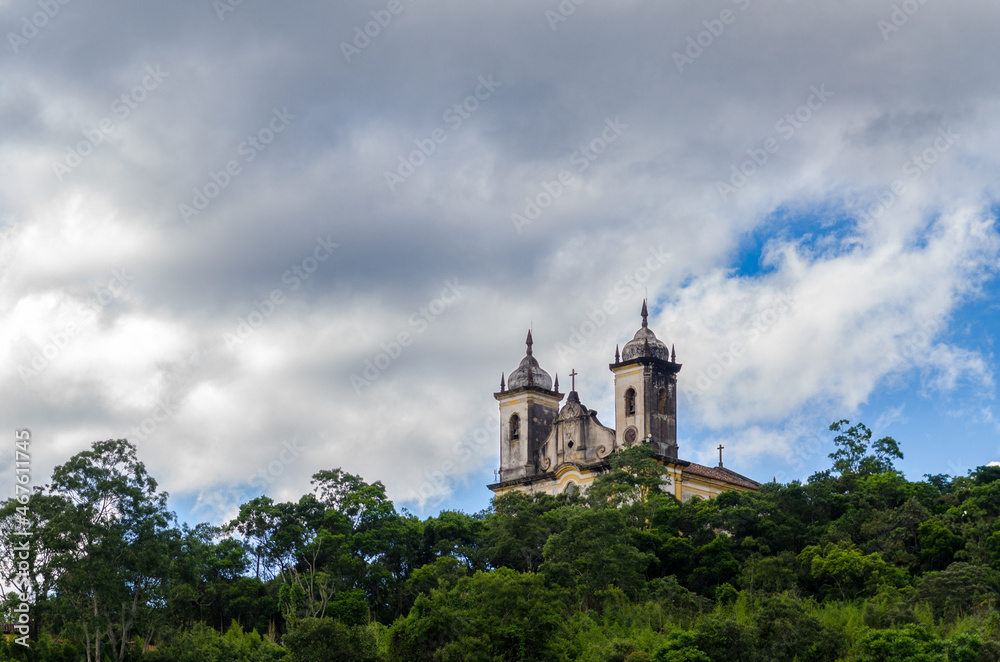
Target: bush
{"x":328,"y":640}
{"x":204,"y":644}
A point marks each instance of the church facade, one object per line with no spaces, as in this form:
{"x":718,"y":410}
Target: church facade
{"x":553,"y":449}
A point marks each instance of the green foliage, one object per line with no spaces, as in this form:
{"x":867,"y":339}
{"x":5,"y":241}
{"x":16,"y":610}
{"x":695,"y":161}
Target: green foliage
{"x":668,"y":592}
{"x":202,"y":643}
{"x":852,"y":457}
{"x":909,"y":643}
{"x":682,"y":647}
{"x":496,"y":616}
{"x":844,"y":568}
{"x":594,"y":552}
{"x":938,"y":544}
{"x":516,"y":533}
{"x":785,"y":631}
{"x":46,"y":649}
{"x":637,"y":484}
{"x":858,"y":564}
{"x":329,"y":640}
{"x":959,"y":589}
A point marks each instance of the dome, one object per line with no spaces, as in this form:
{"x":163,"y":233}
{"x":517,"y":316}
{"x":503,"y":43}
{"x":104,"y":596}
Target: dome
{"x":636,"y":348}
{"x":529,"y":373}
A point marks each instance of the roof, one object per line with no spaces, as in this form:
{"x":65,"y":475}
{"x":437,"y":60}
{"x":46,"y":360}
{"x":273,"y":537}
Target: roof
{"x":721,"y":474}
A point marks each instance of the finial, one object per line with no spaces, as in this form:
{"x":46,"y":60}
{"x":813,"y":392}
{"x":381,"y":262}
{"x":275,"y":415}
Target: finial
{"x":673,"y":354}
{"x":617,"y":356}
{"x":556,"y":387}
{"x":645,"y":314}
{"x":502,"y":387}
{"x":573,"y":377}
{"x":528,"y":342}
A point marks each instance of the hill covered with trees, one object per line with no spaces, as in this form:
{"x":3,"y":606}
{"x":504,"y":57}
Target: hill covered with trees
{"x":858,"y":563}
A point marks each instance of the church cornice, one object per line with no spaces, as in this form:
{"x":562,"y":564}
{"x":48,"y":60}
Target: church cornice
{"x":529,"y":389}
{"x":668,"y":366}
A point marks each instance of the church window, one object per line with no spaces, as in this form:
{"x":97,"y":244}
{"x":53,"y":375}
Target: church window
{"x":515,"y":427}
{"x":662,"y":406}
{"x":630,"y":402}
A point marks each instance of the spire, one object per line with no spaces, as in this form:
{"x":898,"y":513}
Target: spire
{"x":673,"y":354}
{"x":528,"y":342}
{"x":556,"y":387}
{"x":645,"y":314}
{"x":502,"y":387}
{"x":617,"y":356}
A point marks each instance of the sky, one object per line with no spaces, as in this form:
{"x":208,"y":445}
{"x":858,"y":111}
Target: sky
{"x":261,"y":239}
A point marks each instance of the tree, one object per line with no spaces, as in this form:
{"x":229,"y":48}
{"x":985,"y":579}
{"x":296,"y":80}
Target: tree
{"x":637,"y":484}
{"x":848,"y":570}
{"x":852,"y":459}
{"x":328,"y":640}
{"x":256,"y":523}
{"x":516,"y":532}
{"x":595,"y":552}
{"x":499,"y":616}
{"x":938,"y":544}
{"x":110,"y":546}
{"x":958,"y":590}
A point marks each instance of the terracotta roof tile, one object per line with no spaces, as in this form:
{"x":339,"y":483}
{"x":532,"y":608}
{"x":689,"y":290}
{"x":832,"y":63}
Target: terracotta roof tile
{"x":721,"y":474}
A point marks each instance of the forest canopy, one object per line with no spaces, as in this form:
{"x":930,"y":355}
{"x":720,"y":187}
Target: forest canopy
{"x":857,"y":563}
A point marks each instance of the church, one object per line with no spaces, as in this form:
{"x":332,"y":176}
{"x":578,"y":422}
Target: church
{"x":545,"y":448}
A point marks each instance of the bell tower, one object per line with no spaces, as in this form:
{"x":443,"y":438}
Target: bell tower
{"x":529,"y":403}
{"x":646,"y":391}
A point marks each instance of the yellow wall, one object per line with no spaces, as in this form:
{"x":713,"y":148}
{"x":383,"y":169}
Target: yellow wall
{"x":685,"y":486}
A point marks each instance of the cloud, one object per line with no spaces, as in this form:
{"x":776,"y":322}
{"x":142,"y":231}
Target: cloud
{"x":852,"y":283}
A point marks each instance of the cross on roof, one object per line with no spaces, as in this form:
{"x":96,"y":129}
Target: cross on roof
{"x":572,"y":376}
{"x":720,"y":454}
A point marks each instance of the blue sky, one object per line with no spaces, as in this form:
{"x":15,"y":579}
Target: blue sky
{"x":260,"y":243}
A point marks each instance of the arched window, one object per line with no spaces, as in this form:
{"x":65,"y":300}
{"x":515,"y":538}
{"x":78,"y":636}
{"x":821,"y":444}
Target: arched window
{"x":662,"y":406}
{"x":630,"y":402}
{"x":515,"y":427}
{"x":571,"y":488}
